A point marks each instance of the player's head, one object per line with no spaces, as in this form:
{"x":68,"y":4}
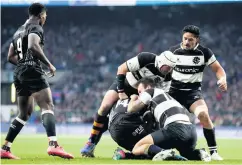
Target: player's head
{"x":145,"y":83}
{"x":165,"y":62}
{"x":38,"y":10}
{"x":190,"y":37}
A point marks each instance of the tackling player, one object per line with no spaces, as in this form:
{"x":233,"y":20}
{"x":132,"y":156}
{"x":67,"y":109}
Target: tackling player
{"x":129,"y":73}
{"x":175,"y":128}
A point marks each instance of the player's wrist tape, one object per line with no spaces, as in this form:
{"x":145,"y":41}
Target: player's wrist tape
{"x":120,"y":82}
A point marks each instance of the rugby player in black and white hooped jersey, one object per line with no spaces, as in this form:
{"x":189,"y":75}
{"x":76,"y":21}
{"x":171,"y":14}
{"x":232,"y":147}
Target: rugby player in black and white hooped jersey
{"x":187,"y":77}
{"x":129,"y":73}
{"x":175,"y":129}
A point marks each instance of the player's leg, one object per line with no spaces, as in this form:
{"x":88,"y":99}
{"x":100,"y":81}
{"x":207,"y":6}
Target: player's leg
{"x":200,"y":109}
{"x":25,"y":106}
{"x":100,"y":123}
{"x":187,"y":141}
{"x":45,"y":102}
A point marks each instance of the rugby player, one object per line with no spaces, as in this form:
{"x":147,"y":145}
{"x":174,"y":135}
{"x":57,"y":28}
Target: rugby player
{"x":187,"y":77}
{"x":126,"y":129}
{"x":26,"y":52}
{"x":129,"y":73}
{"x":175,"y":129}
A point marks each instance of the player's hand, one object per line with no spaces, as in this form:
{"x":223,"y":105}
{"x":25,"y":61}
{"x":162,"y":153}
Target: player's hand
{"x":222,"y":84}
{"x":52,"y":70}
{"x":122,"y":96}
{"x":134,"y":97}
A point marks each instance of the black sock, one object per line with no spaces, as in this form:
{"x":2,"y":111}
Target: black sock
{"x":48,"y":120}
{"x":100,"y":125}
{"x":211,"y":141}
{"x":14,"y":129}
{"x":153,"y":150}
{"x":129,"y":155}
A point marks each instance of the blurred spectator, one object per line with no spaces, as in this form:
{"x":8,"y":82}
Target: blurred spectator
{"x":93,"y":49}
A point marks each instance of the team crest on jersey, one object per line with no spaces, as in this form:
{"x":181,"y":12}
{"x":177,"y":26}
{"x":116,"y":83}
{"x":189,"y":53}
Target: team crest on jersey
{"x":196,"y":60}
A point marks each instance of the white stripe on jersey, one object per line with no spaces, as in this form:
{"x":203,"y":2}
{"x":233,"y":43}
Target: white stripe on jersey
{"x":185,"y":78}
{"x":131,"y":79}
{"x":211,"y":60}
{"x":177,"y":117}
{"x":187,"y":60}
{"x":162,"y":107}
{"x":133,"y":64}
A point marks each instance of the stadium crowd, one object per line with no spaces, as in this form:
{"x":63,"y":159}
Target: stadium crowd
{"x":94,"y":49}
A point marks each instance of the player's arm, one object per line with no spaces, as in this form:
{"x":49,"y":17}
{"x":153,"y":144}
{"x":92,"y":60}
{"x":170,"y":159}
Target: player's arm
{"x":133,"y":65}
{"x":218,"y":70}
{"x":34,"y":46}
{"x":12,"y":57}
{"x":138,"y":103}
{"x":135,"y":104}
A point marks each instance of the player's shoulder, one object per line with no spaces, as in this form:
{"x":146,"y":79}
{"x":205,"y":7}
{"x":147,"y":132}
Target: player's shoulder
{"x":205,"y":50}
{"x":175,"y":48}
{"x":146,"y":57}
{"x":36,"y":27}
{"x":147,"y":54}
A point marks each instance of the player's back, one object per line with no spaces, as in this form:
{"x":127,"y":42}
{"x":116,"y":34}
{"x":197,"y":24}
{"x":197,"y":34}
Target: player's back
{"x":20,"y":42}
{"x":166,"y":110}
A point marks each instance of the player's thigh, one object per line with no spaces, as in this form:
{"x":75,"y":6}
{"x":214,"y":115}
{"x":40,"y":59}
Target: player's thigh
{"x":44,"y":99}
{"x":110,"y":98}
{"x":162,"y":138}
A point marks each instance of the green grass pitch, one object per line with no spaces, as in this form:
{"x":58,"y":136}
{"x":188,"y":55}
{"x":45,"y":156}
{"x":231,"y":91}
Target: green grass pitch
{"x":32,"y":150}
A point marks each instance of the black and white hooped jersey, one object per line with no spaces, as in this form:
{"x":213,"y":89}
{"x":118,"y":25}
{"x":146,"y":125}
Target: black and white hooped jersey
{"x":144,"y":65}
{"x":188,"y":72}
{"x":166,"y":110}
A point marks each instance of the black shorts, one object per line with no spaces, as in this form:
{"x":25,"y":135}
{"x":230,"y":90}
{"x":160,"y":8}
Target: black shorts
{"x":128,"y":89}
{"x":183,"y":137}
{"x":28,"y":80}
{"x":185,"y":98}
{"x":127,"y":129}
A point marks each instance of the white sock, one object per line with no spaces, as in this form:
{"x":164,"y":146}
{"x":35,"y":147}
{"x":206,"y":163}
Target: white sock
{"x":52,"y":138}
{"x":8,"y":144}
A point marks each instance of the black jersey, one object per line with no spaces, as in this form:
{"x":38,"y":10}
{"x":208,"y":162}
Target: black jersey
{"x":20,"y":43}
{"x":188,"y":73}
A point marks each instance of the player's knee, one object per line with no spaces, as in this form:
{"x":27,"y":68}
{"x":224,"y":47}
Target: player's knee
{"x":104,"y":109}
{"x":50,"y":106}
{"x":24,"y":115}
{"x":203,"y":117}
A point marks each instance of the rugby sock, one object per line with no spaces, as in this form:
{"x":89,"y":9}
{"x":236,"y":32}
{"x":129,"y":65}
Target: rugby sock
{"x":211,"y":141}
{"x":153,"y":150}
{"x":13,"y":131}
{"x":129,"y":155}
{"x":48,"y":120}
{"x":100,"y":125}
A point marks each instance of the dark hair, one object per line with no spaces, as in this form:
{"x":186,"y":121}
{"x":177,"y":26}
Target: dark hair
{"x":147,"y":81}
{"x":36,"y":8}
{"x":191,"y":29}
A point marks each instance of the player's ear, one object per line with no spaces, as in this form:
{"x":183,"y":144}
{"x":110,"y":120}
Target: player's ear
{"x":148,"y":87}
